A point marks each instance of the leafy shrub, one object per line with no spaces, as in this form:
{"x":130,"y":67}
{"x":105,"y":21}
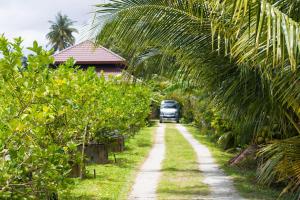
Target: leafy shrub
{"x":46,"y":113}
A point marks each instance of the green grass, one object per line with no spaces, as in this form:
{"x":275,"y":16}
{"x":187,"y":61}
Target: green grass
{"x":113,"y":181}
{"x":181,"y":178}
{"x":244,"y":179}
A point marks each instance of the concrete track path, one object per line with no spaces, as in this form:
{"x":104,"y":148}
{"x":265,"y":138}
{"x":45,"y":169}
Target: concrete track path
{"x":144,"y":188}
{"x":147,"y":179}
{"x":221,"y":186}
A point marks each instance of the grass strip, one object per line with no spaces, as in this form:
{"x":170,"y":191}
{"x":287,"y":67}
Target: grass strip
{"x":244,"y":179}
{"x":114,"y":180}
{"x":181,"y":178}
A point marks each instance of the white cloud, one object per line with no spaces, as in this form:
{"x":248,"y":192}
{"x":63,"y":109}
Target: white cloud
{"x":29,"y":18}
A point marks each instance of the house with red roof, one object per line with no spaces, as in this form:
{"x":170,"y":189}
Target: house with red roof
{"x":86,"y":54}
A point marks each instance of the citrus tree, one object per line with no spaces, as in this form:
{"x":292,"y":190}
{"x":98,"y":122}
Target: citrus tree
{"x":46,"y":113}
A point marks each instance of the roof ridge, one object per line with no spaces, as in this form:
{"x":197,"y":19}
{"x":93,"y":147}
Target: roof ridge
{"x":110,"y":51}
{"x":93,"y":46}
{"x":71,"y":47}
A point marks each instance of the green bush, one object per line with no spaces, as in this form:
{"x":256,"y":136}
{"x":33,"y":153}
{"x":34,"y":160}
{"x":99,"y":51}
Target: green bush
{"x":46,"y":113}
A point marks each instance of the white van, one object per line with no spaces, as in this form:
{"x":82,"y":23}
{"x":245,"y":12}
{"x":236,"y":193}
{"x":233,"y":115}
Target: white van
{"x":169,"y":110}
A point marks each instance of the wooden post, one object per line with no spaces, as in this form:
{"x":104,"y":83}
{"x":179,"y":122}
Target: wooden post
{"x":115,"y":157}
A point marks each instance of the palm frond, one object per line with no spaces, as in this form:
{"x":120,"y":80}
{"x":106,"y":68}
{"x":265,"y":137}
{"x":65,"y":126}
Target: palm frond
{"x":269,"y":36}
{"x":281,"y":161}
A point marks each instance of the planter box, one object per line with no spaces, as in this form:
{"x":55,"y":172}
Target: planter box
{"x":95,"y":153}
{"x":117,"y":144}
{"x":75,"y":172}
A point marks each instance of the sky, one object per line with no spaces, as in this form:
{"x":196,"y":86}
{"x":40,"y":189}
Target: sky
{"x":29,"y":18}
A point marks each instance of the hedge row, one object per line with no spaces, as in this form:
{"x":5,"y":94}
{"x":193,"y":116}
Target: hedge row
{"x":46,"y":113}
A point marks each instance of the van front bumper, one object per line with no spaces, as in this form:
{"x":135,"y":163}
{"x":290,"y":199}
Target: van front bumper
{"x":169,"y":117}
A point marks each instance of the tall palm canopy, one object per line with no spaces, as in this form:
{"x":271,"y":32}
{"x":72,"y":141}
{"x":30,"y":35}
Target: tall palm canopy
{"x":245,"y":53}
{"x":61,"y":32}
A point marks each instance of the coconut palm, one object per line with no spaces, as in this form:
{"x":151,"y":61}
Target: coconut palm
{"x":61,"y":32}
{"x":245,"y":53}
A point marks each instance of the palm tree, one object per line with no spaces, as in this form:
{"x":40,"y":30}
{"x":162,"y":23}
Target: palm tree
{"x":61,"y":32}
{"x":245,"y":53}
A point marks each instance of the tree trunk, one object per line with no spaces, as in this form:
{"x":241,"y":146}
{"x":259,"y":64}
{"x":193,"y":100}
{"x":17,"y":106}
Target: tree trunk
{"x":249,"y":152}
{"x":82,"y":166}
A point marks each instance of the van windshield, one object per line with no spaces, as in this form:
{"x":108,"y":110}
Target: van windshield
{"x":169,"y":105}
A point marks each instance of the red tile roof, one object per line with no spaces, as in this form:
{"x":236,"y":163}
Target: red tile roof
{"x":86,"y":53}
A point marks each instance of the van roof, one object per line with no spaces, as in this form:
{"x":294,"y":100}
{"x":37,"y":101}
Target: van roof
{"x":168,"y":101}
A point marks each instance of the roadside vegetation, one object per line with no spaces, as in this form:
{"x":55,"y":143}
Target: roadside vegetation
{"x":114,"y":180}
{"x":181,"y":177}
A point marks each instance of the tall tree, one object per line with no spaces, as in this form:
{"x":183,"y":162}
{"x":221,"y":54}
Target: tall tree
{"x":61,"y":32}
